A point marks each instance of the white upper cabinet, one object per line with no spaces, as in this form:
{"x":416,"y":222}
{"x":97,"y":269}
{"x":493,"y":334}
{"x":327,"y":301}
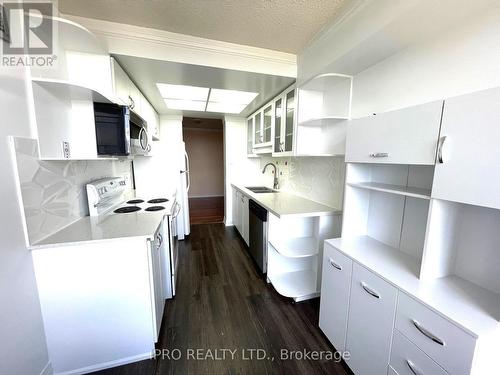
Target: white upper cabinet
{"x":263,"y":126}
{"x":469,"y":151}
{"x":128,"y":94}
{"x":406,"y":136}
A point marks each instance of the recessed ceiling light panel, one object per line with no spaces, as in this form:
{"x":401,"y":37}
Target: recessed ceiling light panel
{"x":189,"y":105}
{"x":225,"y":107}
{"x":232,"y":96}
{"x":169,"y":91}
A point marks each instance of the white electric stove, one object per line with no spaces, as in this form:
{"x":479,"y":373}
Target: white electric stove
{"x":113,"y":196}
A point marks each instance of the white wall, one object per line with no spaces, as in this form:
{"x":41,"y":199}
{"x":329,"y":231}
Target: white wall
{"x":23,"y":348}
{"x":237,"y":167}
{"x":463,"y":59}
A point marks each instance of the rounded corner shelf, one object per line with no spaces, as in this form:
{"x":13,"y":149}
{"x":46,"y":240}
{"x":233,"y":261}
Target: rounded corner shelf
{"x":295,"y":284}
{"x":298,"y":247}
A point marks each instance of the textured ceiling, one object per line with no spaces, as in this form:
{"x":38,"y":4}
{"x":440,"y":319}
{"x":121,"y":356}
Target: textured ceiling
{"x":282,"y":25}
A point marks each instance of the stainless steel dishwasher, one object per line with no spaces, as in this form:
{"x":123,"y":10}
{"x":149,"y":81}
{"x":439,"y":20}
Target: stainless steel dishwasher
{"x":258,"y":234}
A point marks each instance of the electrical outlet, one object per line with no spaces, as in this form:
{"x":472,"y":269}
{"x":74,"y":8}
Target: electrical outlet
{"x":66,"y":150}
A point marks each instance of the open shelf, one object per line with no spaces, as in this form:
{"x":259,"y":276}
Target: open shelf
{"x":325,"y":96}
{"x":387,"y":261}
{"x":320,"y":121}
{"x":295,"y":284}
{"x":297,"y":247}
{"x":408,"y":191}
{"x":71,"y":91}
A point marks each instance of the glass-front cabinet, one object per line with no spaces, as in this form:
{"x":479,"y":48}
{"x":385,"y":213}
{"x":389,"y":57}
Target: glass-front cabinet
{"x":272,"y":128}
{"x":284,"y":123}
{"x":250,"y":135}
{"x":267,"y":123}
{"x":257,"y":128}
{"x":278,"y":119}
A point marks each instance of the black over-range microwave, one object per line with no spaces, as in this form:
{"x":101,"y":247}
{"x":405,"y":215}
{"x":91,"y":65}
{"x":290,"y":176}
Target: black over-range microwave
{"x":119,"y":131}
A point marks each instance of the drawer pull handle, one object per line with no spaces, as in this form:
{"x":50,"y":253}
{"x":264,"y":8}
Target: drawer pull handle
{"x":369,"y":290}
{"x":413,"y":368}
{"x":335,"y":265}
{"x":426,"y":333}
{"x":440,"y":149}
{"x":380,"y":155}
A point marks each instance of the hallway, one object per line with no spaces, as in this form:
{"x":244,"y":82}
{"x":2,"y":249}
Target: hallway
{"x":222,"y":303}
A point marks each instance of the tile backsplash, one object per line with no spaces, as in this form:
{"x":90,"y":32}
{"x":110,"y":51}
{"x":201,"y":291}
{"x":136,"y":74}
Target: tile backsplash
{"x":320,"y":179}
{"x":53,"y":192}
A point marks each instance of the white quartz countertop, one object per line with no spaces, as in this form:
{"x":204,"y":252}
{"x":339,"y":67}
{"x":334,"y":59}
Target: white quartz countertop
{"x":286,"y":204}
{"x":108,"y":227}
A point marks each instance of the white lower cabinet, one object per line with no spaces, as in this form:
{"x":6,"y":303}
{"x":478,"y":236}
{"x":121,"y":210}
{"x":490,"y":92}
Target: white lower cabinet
{"x":447,"y":344}
{"x":408,"y":359}
{"x":240,"y":214}
{"x":156,"y":283}
{"x":335,"y":288}
{"x":245,"y":222}
{"x":371,"y":320}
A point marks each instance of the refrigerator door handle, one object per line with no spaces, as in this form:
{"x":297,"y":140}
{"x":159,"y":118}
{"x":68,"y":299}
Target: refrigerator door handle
{"x":188,"y":177}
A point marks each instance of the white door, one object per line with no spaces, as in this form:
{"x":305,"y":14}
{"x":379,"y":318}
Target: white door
{"x":371,"y":321}
{"x":335,"y":291}
{"x":405,"y":136}
{"x":468,"y":171}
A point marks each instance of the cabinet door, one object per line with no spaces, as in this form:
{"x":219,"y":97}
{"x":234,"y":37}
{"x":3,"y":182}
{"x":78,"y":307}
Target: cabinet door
{"x":121,"y":83}
{"x":289,"y":128}
{"x":406,"y":136}
{"x":257,"y":129}
{"x":335,"y":290}
{"x":278,"y":125}
{"x":267,"y":121}
{"x":157,"y":283}
{"x":236,"y":211}
{"x":250,"y":136}
{"x":471,"y":125}
{"x":245,"y":219}
{"x":371,"y":322}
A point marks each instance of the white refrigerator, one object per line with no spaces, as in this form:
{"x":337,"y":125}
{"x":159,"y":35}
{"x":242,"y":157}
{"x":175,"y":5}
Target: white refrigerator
{"x":164,"y":173}
{"x":183,"y":223}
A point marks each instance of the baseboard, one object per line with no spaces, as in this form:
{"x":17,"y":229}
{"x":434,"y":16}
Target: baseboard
{"x":105,"y":365}
{"x":47,"y":370}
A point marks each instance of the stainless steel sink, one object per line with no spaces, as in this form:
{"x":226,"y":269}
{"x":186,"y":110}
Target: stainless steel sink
{"x":260,"y":189}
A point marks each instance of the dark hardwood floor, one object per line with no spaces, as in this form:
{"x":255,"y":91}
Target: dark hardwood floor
{"x":206,"y":210}
{"x":222,"y":303}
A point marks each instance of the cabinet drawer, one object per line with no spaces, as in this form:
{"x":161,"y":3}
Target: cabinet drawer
{"x":444,"y":342}
{"x":371,"y":320}
{"x":405,"y":136}
{"x":335,"y":290}
{"x":407,"y":359}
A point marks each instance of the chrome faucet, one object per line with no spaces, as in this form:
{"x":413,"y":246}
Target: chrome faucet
{"x":275,"y":182}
